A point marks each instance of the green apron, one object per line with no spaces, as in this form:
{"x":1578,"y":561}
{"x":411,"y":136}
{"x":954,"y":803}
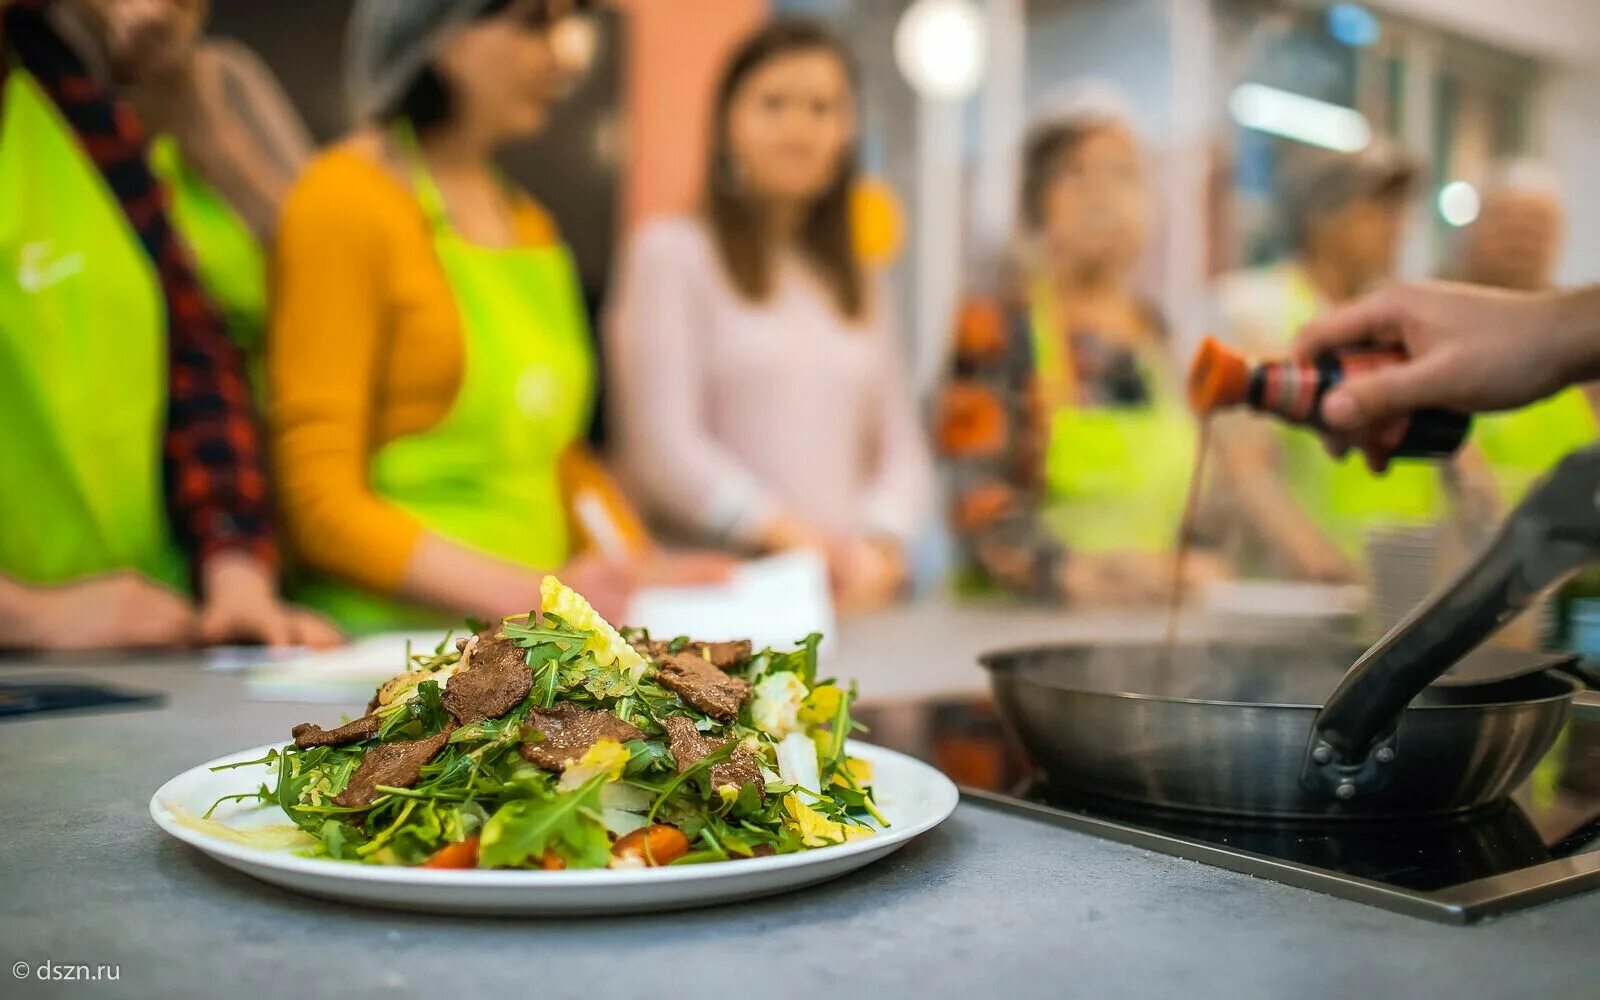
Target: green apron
{"x":1116,"y":476}
{"x":83,"y":363}
{"x":1342,"y":496}
{"x":228,"y":259}
{"x":487,"y":476}
{"x":1523,"y":445}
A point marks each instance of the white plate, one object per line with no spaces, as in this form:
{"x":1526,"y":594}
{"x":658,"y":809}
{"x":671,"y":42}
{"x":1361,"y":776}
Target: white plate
{"x":912,"y":795}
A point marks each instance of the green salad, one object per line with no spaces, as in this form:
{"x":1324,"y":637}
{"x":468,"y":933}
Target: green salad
{"x":554,"y":741}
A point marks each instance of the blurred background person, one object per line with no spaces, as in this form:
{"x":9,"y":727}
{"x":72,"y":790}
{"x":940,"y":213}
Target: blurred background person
{"x":1514,"y":244}
{"x":760,"y":398}
{"x":1344,"y":213}
{"x":227,"y":144}
{"x":135,"y":466}
{"x":1070,"y":445}
{"x":430,"y":364}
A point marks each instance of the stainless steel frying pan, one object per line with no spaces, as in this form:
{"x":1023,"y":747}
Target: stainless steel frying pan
{"x":1289,"y":732}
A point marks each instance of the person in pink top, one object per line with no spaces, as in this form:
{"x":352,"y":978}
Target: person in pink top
{"x":757,"y":383}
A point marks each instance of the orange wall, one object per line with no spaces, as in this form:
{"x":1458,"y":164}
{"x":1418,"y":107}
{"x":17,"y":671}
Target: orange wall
{"x":675,"y":53}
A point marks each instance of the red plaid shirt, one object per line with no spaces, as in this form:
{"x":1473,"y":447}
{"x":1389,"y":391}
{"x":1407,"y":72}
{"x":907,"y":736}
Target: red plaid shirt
{"x":216,"y":485}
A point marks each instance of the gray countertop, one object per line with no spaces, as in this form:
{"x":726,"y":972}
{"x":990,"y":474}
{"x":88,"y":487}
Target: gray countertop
{"x":988,"y":905}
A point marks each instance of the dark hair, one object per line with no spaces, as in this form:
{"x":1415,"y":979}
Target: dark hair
{"x":1048,"y":144}
{"x":826,"y":238}
{"x":427,"y":101}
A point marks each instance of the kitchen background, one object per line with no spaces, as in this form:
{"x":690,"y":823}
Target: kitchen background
{"x":1465,"y":83}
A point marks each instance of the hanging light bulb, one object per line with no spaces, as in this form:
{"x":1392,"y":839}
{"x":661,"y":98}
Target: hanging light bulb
{"x":939,"y":46}
{"x":1459,"y":203}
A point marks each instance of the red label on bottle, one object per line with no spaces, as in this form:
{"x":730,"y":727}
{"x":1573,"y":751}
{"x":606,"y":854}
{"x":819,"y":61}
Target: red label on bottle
{"x":1290,"y":391}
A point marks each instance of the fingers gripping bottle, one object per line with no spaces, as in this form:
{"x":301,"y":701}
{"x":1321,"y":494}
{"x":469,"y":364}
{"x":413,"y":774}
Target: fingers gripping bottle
{"x":1292,"y":390}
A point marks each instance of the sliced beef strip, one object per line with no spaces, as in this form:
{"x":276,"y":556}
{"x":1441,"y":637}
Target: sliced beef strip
{"x":698,"y":683}
{"x":727,"y":655}
{"x":495,"y":681}
{"x":377,"y":695}
{"x":689,"y":746}
{"x":393,"y":764}
{"x":648,"y":648}
{"x":722,"y":655}
{"x":309,"y":734}
{"x":569,"y":731}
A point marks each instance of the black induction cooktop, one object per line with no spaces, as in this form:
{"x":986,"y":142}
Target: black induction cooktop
{"x":1540,"y":844}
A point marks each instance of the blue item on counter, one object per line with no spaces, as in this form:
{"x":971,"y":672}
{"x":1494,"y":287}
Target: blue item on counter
{"x":1583,"y":628}
{"x":27,"y":696}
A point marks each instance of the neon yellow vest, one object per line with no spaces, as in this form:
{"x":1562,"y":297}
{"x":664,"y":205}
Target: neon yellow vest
{"x":487,"y":475}
{"x":1116,"y":476}
{"x":1343,"y":497}
{"x":1523,"y":445}
{"x":83,"y":363}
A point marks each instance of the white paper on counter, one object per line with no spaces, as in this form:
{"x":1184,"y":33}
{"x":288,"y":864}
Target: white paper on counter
{"x":347,"y":675}
{"x":238,"y":659}
{"x":774,"y":601}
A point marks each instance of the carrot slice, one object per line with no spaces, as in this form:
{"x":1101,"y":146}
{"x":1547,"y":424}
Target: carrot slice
{"x":462,"y":855}
{"x":465,"y":855}
{"x":654,"y":845}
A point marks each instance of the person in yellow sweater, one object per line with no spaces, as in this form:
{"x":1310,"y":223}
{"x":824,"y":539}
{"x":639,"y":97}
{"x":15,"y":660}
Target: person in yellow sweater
{"x":429,"y":362}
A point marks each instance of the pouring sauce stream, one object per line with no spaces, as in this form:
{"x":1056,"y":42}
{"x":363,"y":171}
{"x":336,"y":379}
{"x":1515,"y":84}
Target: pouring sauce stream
{"x":1180,"y":550}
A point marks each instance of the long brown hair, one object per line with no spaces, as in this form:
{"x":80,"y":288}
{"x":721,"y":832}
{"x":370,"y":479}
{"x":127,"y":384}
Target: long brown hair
{"x":825,"y":238}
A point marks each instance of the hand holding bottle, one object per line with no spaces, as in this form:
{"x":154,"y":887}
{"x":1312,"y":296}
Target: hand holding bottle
{"x":1293,"y":390}
{"x":1467,"y":349}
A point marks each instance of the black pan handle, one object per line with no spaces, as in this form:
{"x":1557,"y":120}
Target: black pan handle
{"x":1552,"y":533}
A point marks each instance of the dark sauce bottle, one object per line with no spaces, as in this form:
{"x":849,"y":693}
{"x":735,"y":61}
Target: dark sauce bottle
{"x":1221,"y":378}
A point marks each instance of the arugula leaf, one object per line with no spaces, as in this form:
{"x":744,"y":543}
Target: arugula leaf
{"x":857,"y":802}
{"x":701,"y":766}
{"x":420,"y":715}
{"x":603,"y":682}
{"x":298,"y":771}
{"x":701,"y":857}
{"x":438,"y":650}
{"x":271,"y":758}
{"x":807,"y":654}
{"x":545,"y":661}
{"x":645,"y":755}
{"x":381,"y":839}
{"x":260,"y":795}
{"x":554,"y":629}
{"x":522,"y":830}
{"x":839,"y":731}
{"x":428,"y":707}
{"x":339,"y":840}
